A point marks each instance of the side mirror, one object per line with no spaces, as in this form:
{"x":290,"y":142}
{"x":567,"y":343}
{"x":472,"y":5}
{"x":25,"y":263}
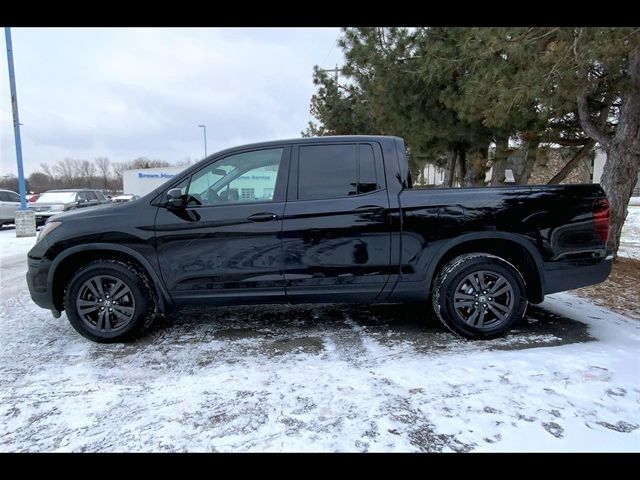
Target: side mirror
{"x":175,"y":199}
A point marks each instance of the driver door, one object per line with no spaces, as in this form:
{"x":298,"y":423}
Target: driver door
{"x":226,"y":245}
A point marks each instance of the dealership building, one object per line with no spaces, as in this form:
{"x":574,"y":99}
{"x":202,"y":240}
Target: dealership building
{"x":144,"y":180}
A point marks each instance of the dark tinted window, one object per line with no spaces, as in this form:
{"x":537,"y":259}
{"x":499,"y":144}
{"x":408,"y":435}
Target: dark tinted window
{"x":4,"y":197}
{"x":13,"y":197}
{"x":367,"y":170}
{"x":327,"y":171}
{"x":91,"y":196}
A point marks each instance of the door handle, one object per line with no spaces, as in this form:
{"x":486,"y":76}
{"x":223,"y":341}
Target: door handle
{"x":369,"y":209}
{"x":262,"y":217}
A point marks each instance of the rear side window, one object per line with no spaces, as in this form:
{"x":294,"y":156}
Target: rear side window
{"x":4,"y":197}
{"x":335,"y":171}
{"x":327,"y":171}
{"x":367,"y":180}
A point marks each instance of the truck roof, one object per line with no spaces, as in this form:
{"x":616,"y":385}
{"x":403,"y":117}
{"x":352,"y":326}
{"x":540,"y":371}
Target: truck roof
{"x":324,"y":139}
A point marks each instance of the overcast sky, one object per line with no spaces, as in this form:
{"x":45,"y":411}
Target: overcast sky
{"x":127,"y":93}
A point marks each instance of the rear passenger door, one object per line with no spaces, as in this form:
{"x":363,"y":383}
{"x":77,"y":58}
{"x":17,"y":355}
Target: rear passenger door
{"x":336,"y":224}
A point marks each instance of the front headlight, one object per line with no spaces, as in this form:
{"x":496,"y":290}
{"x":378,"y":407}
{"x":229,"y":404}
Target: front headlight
{"x":47,"y":229}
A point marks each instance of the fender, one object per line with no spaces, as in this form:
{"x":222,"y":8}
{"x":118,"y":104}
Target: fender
{"x":165,"y":298}
{"x":425,"y":285}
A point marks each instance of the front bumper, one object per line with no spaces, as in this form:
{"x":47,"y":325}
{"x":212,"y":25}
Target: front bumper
{"x":42,"y":217}
{"x":37,"y":281}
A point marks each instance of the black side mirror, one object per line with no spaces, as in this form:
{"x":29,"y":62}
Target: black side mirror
{"x":175,"y":199}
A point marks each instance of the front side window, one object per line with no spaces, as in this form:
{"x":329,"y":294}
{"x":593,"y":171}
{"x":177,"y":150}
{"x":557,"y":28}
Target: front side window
{"x":91,"y":196}
{"x":241,"y":178}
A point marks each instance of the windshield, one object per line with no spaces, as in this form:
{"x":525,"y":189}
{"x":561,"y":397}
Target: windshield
{"x":57,"y":197}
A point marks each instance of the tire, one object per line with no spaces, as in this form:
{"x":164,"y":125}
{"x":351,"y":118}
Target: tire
{"x":98,"y":287}
{"x":461,"y":305}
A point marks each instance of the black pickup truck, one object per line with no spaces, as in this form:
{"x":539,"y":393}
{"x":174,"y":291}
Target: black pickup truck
{"x":331,"y":219}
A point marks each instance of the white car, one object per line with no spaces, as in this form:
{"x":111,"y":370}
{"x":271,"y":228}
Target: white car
{"x":124,"y":198}
{"x":9,"y":203}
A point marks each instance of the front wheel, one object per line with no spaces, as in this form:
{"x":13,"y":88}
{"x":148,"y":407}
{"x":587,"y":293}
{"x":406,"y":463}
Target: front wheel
{"x":109,"y":301}
{"x":479,"y":296}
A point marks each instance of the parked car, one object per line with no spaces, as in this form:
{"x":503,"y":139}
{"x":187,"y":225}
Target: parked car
{"x":331,"y":219}
{"x":32,"y":197}
{"x":124,"y":198}
{"x":53,"y":202}
{"x":9,"y":203}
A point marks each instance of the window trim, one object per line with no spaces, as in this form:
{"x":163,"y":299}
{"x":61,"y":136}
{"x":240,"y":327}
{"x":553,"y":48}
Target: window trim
{"x":294,"y":175}
{"x":279,"y":194}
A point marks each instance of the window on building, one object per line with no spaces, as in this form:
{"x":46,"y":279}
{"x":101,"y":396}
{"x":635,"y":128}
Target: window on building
{"x":247,"y":194}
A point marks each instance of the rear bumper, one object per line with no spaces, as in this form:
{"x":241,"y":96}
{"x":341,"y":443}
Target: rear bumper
{"x":561,"y":276}
{"x":37,"y":276}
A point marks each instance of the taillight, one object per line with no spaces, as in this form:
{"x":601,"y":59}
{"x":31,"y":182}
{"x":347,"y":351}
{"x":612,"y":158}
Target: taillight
{"x":601,"y":219}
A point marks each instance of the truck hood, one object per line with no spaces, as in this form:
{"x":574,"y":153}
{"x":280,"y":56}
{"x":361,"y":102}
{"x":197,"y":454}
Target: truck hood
{"x":91,"y":212}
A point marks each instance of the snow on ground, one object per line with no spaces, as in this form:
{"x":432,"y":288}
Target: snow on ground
{"x":316,"y":378}
{"x":630,"y":239}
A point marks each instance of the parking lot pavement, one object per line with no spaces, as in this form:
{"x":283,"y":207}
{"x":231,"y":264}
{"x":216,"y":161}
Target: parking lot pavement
{"x":316,"y":378}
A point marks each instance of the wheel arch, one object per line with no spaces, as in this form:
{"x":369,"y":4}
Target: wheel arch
{"x":515,"y":250}
{"x":69,"y":261}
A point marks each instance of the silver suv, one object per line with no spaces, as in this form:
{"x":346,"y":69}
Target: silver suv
{"x":9,"y":203}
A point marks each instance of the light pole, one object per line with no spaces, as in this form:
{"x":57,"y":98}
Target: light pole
{"x":204,"y":127}
{"x":16,"y":121}
{"x":25,"y":218}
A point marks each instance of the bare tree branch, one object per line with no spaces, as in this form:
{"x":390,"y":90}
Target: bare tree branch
{"x":573,"y":163}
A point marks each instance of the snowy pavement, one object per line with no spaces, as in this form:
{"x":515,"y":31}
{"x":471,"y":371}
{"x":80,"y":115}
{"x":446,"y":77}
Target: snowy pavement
{"x":316,"y":378}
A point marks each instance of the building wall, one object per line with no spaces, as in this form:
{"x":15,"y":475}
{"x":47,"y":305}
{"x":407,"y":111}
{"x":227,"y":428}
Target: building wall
{"x":145,"y":180}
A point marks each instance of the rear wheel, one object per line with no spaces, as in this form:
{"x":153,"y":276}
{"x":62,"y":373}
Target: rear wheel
{"x":479,"y":295}
{"x":109,"y":301}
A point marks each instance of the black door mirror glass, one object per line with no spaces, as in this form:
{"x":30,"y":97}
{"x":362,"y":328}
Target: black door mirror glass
{"x":175,"y":199}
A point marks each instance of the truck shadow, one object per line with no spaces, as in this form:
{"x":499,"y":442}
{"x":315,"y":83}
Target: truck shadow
{"x":280,"y":329}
